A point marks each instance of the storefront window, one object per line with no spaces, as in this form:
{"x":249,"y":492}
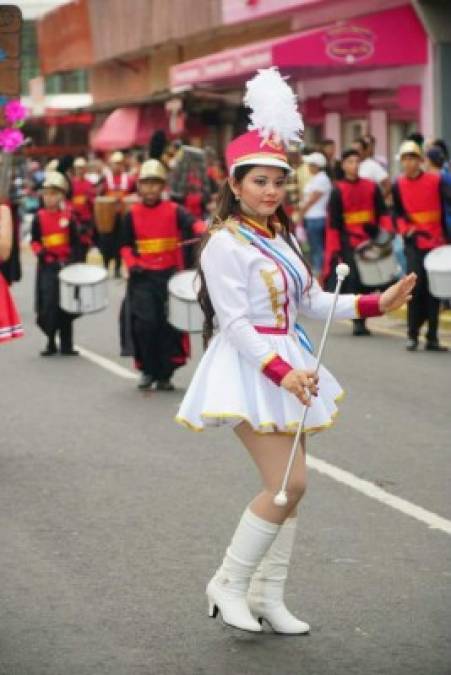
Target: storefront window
{"x":73,"y":82}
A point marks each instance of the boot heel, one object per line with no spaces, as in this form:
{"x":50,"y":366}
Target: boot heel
{"x":212,"y":609}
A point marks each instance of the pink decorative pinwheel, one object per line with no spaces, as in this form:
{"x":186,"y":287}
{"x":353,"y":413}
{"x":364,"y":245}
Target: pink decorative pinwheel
{"x":11,"y":139}
{"x":15,"y":112}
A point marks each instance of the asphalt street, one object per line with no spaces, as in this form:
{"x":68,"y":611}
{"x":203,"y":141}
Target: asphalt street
{"x":113,"y":518}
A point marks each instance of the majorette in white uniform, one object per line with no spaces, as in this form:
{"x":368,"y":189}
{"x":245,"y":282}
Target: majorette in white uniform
{"x":260,"y":308}
{"x":259,"y":289}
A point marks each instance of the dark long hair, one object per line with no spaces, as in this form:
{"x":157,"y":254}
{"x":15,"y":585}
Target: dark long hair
{"x":228,"y":207}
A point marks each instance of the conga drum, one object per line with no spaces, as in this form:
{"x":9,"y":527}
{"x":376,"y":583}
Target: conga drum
{"x":105,"y":209}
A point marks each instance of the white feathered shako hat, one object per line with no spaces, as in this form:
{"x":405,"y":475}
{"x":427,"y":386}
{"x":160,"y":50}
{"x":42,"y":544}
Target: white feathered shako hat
{"x":275,"y":123}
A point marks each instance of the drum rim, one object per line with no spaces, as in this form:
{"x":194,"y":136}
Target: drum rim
{"x":70,"y":282}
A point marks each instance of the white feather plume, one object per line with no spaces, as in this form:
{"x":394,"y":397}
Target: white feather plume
{"x":274,"y":107}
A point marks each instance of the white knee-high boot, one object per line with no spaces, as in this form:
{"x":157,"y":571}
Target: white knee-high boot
{"x":266,"y":591}
{"x":227,"y":590}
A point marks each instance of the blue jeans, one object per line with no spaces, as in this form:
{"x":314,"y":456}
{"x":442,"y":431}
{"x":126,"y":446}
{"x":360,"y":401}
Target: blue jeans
{"x":315,"y":235}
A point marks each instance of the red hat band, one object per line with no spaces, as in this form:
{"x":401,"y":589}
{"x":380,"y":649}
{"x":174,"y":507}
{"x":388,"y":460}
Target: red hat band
{"x":251,"y":149}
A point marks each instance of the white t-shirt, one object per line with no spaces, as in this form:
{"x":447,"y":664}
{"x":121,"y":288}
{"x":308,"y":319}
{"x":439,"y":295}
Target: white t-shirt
{"x":371,"y":169}
{"x":320,"y":182}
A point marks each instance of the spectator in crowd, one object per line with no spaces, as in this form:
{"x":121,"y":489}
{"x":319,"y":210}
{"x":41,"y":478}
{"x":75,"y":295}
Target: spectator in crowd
{"x":314,"y":207}
{"x":379,"y":158}
{"x":436,"y":163}
{"x":370,"y":168}
{"x":333,"y":166}
{"x":443,"y":146}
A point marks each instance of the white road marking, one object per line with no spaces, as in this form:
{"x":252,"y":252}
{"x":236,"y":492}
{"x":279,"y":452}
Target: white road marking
{"x":107,"y":364}
{"x":365,"y":487}
{"x":371,"y":490}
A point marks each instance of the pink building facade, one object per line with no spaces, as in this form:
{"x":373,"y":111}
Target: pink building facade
{"x":366,"y":71}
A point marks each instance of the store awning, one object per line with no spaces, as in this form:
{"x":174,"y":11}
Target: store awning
{"x":390,"y":38}
{"x":127,"y":127}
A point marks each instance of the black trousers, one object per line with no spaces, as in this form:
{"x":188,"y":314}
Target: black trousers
{"x":423,"y":306}
{"x":158,"y":346}
{"x":110,"y":244}
{"x":50,"y":318}
{"x":125,"y":328}
{"x":351,"y":284}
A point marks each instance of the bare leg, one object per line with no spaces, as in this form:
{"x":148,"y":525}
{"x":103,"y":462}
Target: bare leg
{"x":270,"y":453}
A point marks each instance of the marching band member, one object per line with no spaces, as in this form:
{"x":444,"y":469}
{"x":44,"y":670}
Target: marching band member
{"x":418,"y":207}
{"x":10,"y":323}
{"x":54,"y":240}
{"x":83,"y":193}
{"x":259,"y":368}
{"x":117,"y":184}
{"x":357,"y":213}
{"x":152,"y":234}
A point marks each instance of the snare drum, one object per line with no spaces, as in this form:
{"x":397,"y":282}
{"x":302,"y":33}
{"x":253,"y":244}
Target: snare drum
{"x":376,"y":264}
{"x":105,"y":210}
{"x":83,"y":289}
{"x":437,"y":264}
{"x":184,"y":310}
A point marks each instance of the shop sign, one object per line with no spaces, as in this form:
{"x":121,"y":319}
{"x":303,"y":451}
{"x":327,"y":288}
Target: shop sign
{"x":349,"y":43}
{"x":10,"y":25}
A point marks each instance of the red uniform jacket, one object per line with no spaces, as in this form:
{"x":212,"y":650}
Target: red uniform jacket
{"x":119,"y":185}
{"x":153,"y":235}
{"x":353,"y":206}
{"x":418,"y":207}
{"x":54,"y":233}
{"x":83,"y":194}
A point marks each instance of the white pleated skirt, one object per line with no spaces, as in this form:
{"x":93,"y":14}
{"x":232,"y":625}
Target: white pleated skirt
{"x":226,"y":389}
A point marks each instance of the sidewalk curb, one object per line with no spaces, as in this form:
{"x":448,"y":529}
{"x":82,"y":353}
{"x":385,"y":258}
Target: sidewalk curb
{"x":445,"y":316}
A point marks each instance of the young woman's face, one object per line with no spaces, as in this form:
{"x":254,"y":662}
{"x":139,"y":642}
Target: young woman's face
{"x":262,"y":190}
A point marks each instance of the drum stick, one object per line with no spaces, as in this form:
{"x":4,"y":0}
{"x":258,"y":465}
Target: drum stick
{"x":187,"y":242}
{"x":281,"y":499}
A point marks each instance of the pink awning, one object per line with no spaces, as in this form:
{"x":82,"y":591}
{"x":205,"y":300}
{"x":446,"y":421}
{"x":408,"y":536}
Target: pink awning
{"x":394,"y":37}
{"x":127,"y":127}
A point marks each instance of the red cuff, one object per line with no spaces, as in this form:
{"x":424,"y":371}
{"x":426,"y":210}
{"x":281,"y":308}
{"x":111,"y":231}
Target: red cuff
{"x":128,"y":256}
{"x":276,"y":369}
{"x":386,"y":223}
{"x":36,"y":247}
{"x":403,"y":225}
{"x":368,"y":306}
{"x":199,"y":227}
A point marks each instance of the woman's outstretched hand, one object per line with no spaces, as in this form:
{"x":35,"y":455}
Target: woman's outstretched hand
{"x":398,"y":294}
{"x":301,"y":383}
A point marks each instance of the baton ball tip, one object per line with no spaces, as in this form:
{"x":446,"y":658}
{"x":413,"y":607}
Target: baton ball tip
{"x":280,"y":499}
{"x":342,"y":270}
